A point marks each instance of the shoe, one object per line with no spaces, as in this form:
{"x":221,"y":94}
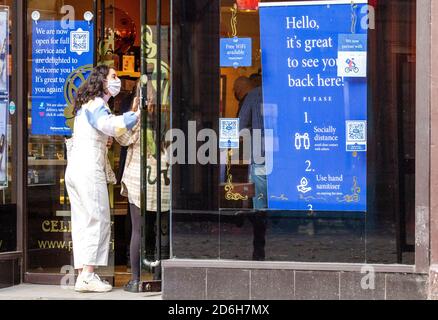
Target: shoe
{"x":132,"y":286}
{"x":92,"y":284}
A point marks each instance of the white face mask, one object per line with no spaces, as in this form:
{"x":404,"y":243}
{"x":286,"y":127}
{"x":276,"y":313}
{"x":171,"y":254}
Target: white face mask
{"x":114,"y":87}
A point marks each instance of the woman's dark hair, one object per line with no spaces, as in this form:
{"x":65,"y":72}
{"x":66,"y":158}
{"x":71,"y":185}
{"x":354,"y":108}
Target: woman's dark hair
{"x":92,"y":88}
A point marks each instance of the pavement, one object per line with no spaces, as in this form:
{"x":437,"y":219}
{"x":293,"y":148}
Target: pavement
{"x":51,"y":292}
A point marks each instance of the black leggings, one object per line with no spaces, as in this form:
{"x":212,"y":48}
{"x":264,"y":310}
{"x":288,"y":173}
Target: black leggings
{"x":150,"y":238}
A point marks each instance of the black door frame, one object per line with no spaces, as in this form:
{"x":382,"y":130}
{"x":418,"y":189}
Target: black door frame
{"x":18,"y":86}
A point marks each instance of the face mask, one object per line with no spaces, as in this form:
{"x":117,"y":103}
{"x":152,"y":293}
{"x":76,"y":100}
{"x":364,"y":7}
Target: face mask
{"x":114,"y":87}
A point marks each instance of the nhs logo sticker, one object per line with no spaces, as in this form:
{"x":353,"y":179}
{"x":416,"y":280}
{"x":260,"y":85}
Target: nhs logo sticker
{"x":229,"y":133}
{"x":80,"y":41}
{"x":352,"y":55}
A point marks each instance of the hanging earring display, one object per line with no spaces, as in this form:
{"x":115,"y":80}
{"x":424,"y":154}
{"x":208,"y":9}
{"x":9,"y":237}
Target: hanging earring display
{"x":352,"y":49}
{"x":234,"y":51}
{"x":229,"y":140}
{"x":353,"y":17}
{"x":233,"y":22}
{"x":229,"y":187}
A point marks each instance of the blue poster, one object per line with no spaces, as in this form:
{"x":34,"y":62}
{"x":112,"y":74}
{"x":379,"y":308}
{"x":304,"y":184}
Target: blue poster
{"x":314,"y":56}
{"x":236,"y":52}
{"x":60,"y":57}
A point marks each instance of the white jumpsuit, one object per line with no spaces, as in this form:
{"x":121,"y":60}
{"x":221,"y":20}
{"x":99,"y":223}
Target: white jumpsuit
{"x":86,"y":180}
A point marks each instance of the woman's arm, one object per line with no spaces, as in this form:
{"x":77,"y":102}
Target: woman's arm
{"x":125,"y":140}
{"x":100,"y":117}
{"x":130,"y":137}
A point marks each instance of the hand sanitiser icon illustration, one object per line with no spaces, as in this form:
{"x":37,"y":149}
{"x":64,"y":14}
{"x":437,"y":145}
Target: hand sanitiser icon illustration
{"x":303,"y":186}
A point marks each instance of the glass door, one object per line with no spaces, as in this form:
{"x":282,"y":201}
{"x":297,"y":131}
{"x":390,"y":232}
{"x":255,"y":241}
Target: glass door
{"x":156,"y":115}
{"x":136,"y":43}
{"x":120,"y":48}
{"x":61,"y":38}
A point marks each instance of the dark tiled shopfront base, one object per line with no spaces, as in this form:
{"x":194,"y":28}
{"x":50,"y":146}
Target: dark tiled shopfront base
{"x":9,"y":273}
{"x":195,"y":283}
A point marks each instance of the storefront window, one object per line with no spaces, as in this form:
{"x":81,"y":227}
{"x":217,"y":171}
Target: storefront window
{"x":340,"y":174}
{"x":323,"y":193}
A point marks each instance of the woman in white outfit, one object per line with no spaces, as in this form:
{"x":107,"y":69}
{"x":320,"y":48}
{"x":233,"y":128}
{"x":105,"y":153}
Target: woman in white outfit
{"x":86,"y":178}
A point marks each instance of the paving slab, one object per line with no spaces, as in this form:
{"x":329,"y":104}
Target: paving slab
{"x":50,"y":292}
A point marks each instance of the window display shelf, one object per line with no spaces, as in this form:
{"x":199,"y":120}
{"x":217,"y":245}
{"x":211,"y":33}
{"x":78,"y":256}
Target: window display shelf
{"x":41,"y":185}
{"x":47,"y":162}
{"x":128,"y":74}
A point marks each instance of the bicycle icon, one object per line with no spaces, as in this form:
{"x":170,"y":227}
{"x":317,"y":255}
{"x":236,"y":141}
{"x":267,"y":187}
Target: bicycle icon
{"x":351,"y":66}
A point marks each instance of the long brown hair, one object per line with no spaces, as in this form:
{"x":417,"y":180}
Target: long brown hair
{"x":93,"y":87}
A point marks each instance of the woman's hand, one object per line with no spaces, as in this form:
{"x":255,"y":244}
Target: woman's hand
{"x":136,"y":104}
{"x":138,"y":114}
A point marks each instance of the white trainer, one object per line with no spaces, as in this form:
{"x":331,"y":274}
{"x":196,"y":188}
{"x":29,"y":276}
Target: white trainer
{"x":92,"y":284}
